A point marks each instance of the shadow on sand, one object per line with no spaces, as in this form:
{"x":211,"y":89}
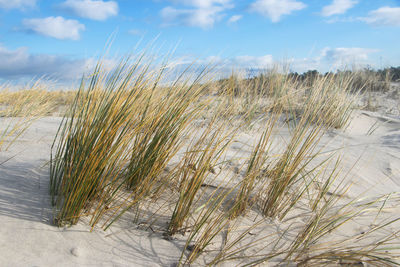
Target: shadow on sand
{"x":24,"y":192}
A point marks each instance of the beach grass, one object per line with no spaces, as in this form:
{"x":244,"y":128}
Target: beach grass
{"x":131,"y":136}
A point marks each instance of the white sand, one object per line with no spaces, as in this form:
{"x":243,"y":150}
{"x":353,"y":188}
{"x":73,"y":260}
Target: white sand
{"x":27,"y":237}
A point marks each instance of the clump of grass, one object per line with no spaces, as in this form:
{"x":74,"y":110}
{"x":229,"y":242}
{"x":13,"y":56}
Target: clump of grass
{"x":332,"y":100}
{"x":120,"y":132}
{"x":308,"y":248}
{"x":288,"y":173}
{"x":370,"y":81}
{"x":313,"y":244}
{"x":124,"y":128}
{"x":260,"y":94}
{"x":326,"y":105}
{"x":92,"y":142}
{"x":37,"y":99}
{"x":279,"y":90}
{"x":312,"y":247}
{"x":21,"y":108}
{"x":156,"y":144}
{"x":210,"y":222}
{"x":255,"y":169}
{"x":13,"y":129}
{"x":196,"y":164}
{"x":160,"y":139}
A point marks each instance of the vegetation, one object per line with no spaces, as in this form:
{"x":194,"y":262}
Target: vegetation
{"x":33,"y":100}
{"x":131,"y":137}
{"x":124,"y":129}
{"x":21,"y":108}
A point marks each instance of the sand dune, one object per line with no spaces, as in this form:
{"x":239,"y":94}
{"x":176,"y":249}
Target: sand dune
{"x":371,"y":152}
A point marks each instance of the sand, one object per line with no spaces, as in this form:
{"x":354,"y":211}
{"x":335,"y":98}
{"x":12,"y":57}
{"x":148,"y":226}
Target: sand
{"x":371,"y":153}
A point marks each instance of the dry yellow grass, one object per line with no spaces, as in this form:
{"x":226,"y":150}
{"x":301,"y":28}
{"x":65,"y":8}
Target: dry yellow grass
{"x":36,"y":100}
{"x":122,"y":129}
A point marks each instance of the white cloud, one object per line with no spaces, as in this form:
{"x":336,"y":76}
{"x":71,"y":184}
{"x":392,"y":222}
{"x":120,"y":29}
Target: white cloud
{"x":56,"y":27}
{"x":135,"y":32}
{"x":346,"y":56}
{"x":203,"y":14}
{"x":327,"y":59}
{"x":262,"y":62}
{"x":330,"y":59}
{"x":19,"y":4}
{"x":96,"y":10}
{"x":384,"y":16}
{"x":203,"y":18}
{"x":235,"y":18}
{"x":338,"y":7}
{"x":20,"y":63}
{"x":243,"y":65}
{"x":213,"y":59}
{"x":275,"y":9}
{"x":239,"y":62}
{"x":304,"y":64}
{"x":336,"y":19}
{"x":202,"y":3}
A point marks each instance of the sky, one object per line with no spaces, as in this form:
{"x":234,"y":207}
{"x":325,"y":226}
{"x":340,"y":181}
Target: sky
{"x":62,"y":39}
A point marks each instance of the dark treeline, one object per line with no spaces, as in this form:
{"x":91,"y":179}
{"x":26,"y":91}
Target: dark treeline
{"x":387,"y":74}
{"x":269,"y":81}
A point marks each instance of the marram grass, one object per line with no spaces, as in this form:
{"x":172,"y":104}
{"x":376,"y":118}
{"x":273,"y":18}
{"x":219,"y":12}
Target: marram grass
{"x":124,"y":128}
{"x":120,"y":132}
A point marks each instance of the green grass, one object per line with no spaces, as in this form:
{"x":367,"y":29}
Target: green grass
{"x":129,"y":139}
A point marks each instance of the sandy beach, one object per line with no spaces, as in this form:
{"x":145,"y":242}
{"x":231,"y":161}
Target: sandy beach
{"x":179,"y":133}
{"x":370,"y":147}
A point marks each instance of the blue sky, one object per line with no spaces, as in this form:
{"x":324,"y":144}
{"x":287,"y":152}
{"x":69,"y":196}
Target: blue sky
{"x":62,"y":39}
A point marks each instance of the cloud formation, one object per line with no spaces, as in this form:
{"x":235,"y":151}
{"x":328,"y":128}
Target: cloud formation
{"x":235,"y":18}
{"x":275,"y":9}
{"x":261,"y":62}
{"x":135,"y":32}
{"x":20,"y":63}
{"x":238,"y":63}
{"x":331,"y":59}
{"x":199,"y":13}
{"x":243,"y":65}
{"x":327,"y":59}
{"x":201,"y":3}
{"x":384,"y":16}
{"x":345,"y":55}
{"x":338,"y":7}
{"x":91,"y":9}
{"x":56,"y":27}
{"x":18,"y":4}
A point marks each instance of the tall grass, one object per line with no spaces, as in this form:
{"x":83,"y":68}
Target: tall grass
{"x":209,"y":224}
{"x":308,"y":248}
{"x":160,"y":139}
{"x":196,"y":164}
{"x":91,"y":142}
{"x":36,"y":99}
{"x":333,"y":100}
{"x":255,"y":169}
{"x":19,"y":109}
{"x":313,"y":245}
{"x":287,"y":175}
{"x":287,"y":93}
{"x":121,"y":131}
{"x":126,"y":128}
{"x":155,"y":145}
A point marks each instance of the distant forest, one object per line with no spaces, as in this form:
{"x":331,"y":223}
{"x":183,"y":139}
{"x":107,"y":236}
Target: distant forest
{"x":391,"y":74}
{"x":366,"y":79}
